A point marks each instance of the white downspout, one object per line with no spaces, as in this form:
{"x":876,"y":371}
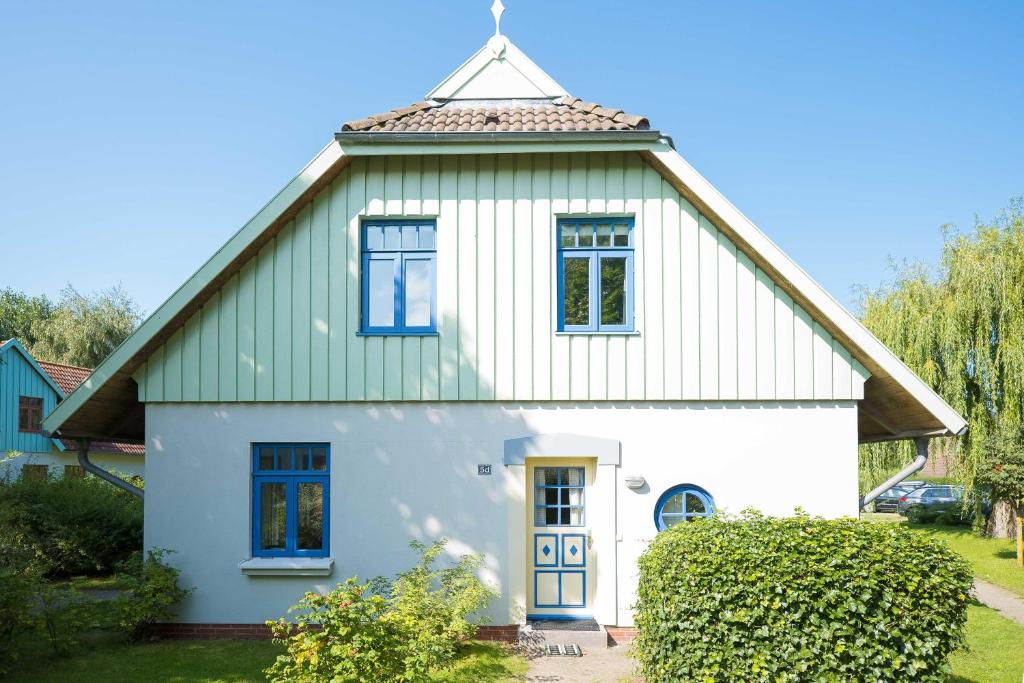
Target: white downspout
{"x":88,"y":466}
{"x":915,"y":465}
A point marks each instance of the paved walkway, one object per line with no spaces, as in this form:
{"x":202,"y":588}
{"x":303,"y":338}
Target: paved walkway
{"x":597,"y":665}
{"x":1001,"y":600}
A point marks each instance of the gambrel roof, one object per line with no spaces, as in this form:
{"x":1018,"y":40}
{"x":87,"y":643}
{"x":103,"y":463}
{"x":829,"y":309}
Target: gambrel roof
{"x":499,"y":80}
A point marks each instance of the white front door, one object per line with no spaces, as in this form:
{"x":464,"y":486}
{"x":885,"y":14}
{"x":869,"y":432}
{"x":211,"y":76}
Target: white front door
{"x":560,"y":582}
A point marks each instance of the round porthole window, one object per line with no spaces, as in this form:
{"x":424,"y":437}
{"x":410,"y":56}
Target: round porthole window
{"x":682,"y":504}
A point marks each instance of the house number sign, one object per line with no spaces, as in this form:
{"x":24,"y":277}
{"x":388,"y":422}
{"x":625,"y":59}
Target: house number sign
{"x":483,"y":470}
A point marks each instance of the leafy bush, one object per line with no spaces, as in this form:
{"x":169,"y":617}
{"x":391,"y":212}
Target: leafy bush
{"x":345,"y":635}
{"x":796,"y":599}
{"x":74,"y":526}
{"x":385,"y":631}
{"x":62,"y":614}
{"x":18,"y":587}
{"x":151,"y":594}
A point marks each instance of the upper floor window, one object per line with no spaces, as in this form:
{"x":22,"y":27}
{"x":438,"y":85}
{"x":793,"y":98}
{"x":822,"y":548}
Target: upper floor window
{"x":399,"y":277}
{"x":30,"y":414}
{"x":682,"y":504}
{"x":595,"y":274}
{"x":291,"y":493}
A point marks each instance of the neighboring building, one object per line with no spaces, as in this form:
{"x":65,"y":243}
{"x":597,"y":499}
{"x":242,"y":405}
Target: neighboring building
{"x":503,"y":316}
{"x":30,"y":390}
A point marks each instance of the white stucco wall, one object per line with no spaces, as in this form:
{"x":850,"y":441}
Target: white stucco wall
{"x":409,"y":470}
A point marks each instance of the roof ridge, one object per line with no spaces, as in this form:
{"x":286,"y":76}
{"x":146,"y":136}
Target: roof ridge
{"x":64,"y":365}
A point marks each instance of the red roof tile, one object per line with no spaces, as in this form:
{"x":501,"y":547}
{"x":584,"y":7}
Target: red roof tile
{"x":67,"y":377}
{"x":119,"y":447}
{"x":459,"y":117}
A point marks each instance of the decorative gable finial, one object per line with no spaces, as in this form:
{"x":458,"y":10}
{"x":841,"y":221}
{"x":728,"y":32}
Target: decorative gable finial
{"x":497,"y":41}
{"x":497,"y":9}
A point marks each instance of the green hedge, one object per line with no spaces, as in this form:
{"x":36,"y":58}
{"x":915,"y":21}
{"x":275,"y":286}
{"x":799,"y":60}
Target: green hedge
{"x":797,"y":599}
{"x":74,"y":526}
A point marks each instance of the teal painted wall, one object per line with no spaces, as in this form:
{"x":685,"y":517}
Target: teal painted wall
{"x":19,"y":378}
{"x":711,"y":325}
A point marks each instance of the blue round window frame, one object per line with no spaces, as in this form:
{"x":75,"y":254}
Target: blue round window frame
{"x":703,"y":495}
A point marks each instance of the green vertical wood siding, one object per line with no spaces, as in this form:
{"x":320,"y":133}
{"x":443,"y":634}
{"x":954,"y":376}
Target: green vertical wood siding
{"x":711,"y":325}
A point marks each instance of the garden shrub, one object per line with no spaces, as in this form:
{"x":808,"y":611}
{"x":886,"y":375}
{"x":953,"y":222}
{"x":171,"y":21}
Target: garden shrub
{"x":386,"y":630}
{"x":19,"y":584}
{"x":151,"y":594}
{"x":62,"y":614}
{"x":74,"y":526}
{"x":794,"y":599}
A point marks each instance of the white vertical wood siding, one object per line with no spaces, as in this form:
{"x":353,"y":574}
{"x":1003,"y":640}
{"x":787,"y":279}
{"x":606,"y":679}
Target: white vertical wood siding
{"x":711,"y":325}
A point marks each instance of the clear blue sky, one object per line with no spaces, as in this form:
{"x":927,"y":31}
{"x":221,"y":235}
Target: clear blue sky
{"x":135,"y":138}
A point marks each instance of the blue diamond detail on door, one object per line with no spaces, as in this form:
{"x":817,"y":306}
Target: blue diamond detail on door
{"x":547,"y":551}
{"x":573,"y":550}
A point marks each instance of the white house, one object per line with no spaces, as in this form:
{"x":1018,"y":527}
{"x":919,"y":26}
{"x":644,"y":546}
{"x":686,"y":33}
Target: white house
{"x":503,"y":316}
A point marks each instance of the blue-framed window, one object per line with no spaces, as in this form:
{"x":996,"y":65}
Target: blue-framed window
{"x":595,"y":274}
{"x":291,"y":495}
{"x":682,"y":503}
{"x":399,"y":277}
{"x":558,"y":496}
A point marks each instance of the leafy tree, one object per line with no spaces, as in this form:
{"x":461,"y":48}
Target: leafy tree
{"x":83,"y":329}
{"x":1002,"y":470}
{"x":962,"y":331}
{"x":18,"y":312}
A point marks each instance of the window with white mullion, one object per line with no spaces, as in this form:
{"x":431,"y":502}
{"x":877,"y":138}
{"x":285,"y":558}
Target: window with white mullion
{"x":399,"y":277}
{"x":595,"y":275}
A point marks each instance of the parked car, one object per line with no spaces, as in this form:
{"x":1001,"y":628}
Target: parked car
{"x":888,"y":501}
{"x":929,"y":502}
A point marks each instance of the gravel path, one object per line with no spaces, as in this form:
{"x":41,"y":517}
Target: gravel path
{"x":597,"y":665}
{"x":1000,"y":599}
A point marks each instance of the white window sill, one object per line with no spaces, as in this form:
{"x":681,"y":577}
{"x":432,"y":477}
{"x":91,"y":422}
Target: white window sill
{"x":597,"y":333}
{"x":287,"y":566}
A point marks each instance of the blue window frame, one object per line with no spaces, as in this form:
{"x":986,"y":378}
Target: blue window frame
{"x":682,"y":503}
{"x":399,"y":277}
{"x":558,"y":496}
{"x":291,"y":499}
{"x":595,"y":274}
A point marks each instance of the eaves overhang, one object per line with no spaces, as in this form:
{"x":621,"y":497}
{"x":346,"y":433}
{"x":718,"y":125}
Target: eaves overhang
{"x":621,"y":138}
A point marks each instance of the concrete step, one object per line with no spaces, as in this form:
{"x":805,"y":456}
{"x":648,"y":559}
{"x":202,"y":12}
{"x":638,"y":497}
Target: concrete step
{"x":537,"y":639}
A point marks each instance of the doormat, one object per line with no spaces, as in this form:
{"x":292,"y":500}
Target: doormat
{"x":563,"y":651}
{"x":564,"y":625}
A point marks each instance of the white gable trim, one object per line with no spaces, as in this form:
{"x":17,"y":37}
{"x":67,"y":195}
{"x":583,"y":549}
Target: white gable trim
{"x":498,"y":70}
{"x":16,"y":345}
{"x":192,"y":287}
{"x":815,"y":293}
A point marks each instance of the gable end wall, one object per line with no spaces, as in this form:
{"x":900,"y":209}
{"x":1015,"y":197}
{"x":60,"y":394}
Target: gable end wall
{"x":18,"y":378}
{"x":712,"y":326}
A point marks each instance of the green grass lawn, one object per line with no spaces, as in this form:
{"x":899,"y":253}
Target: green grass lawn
{"x":107,"y":582}
{"x":994,"y":653}
{"x":104,"y":660}
{"x":992,"y":559}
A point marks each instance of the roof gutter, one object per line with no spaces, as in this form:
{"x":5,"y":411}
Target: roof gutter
{"x":357,"y":138}
{"x":91,"y":468}
{"x":915,"y":465}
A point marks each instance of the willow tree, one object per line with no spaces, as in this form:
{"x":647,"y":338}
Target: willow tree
{"x":961,"y":328}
